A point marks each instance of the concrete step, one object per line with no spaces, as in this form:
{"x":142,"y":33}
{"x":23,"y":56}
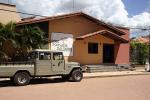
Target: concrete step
{"x":96,"y":70}
{"x":105,"y":68}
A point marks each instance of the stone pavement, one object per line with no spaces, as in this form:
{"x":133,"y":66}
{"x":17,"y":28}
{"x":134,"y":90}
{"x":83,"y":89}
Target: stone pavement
{"x":138,"y":71}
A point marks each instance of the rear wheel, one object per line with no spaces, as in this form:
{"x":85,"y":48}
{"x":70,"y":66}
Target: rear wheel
{"x":77,"y":75}
{"x":21,"y":78}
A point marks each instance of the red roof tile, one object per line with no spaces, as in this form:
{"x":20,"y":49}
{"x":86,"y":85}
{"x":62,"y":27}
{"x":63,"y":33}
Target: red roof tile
{"x":118,"y":31}
{"x":105,"y":33}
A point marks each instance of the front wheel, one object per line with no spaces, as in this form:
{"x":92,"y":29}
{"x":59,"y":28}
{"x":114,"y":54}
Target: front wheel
{"x":77,"y":75}
{"x":21,"y":78}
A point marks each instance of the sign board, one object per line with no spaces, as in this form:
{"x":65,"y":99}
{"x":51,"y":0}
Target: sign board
{"x":62,"y":42}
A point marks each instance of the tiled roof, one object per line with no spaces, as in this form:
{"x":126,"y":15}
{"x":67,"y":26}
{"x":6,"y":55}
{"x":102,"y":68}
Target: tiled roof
{"x":105,"y":33}
{"x":142,"y":39}
{"x":6,"y":4}
{"x":118,"y":31}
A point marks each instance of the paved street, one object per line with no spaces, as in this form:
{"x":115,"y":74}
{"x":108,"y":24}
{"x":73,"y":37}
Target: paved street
{"x":108,"y":88}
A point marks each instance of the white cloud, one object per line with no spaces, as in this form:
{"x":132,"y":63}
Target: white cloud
{"x":138,"y":33}
{"x":108,"y":10}
{"x":42,"y":7}
{"x":141,"y":20}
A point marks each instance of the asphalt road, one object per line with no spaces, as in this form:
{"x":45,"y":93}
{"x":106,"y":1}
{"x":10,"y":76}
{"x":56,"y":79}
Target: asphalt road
{"x":110,"y":88}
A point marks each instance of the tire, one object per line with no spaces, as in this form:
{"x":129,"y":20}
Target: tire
{"x":76,"y":75}
{"x":21,"y":78}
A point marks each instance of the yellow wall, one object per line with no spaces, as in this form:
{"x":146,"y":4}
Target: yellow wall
{"x":81,"y":50}
{"x":78,"y":26}
{"x":5,"y":16}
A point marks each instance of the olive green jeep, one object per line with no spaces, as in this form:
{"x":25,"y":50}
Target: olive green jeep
{"x":41,"y":63}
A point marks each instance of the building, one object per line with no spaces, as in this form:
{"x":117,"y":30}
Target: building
{"x":85,"y":39}
{"x":143,"y":39}
{"x":7,"y":13}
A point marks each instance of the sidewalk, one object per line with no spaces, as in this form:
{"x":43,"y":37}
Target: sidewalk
{"x":138,"y":71}
{"x":115,"y":74}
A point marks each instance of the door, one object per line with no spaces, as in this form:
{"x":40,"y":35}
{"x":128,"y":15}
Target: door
{"x":58,"y":63}
{"x":108,"y":53}
{"x":43,"y":64}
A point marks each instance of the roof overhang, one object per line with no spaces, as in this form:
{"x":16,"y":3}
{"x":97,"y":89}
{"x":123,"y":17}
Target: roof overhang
{"x":117,"y":30}
{"x":105,"y":33}
{"x":6,"y":4}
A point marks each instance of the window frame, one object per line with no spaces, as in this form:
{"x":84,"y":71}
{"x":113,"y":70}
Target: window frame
{"x":33,"y":55}
{"x":60,"y":53}
{"x":47,"y":54}
{"x":90,"y":48}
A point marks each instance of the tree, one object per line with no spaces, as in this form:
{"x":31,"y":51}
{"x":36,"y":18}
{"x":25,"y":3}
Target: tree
{"x":31,"y":37}
{"x":7,"y":35}
{"x":21,"y":39}
{"x":139,"y":52}
{"x":2,"y":38}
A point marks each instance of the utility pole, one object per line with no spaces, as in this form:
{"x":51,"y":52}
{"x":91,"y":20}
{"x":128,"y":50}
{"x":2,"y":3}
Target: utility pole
{"x":73,"y":5}
{"x":149,"y":43}
{"x":148,"y":63}
{"x":148,"y":29}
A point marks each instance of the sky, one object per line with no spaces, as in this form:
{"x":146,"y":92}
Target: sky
{"x":137,"y":7}
{"x":130,"y":13}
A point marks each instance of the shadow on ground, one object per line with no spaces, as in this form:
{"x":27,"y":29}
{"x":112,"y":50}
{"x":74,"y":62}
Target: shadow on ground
{"x":8,"y":83}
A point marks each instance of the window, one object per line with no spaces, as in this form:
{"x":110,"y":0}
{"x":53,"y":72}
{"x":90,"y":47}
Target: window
{"x":93,"y":48}
{"x":58,"y":56}
{"x":32,"y":55}
{"x":44,"y":56}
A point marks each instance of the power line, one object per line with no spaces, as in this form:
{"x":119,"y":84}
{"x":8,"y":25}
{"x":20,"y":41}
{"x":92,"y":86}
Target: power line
{"x":137,"y":27}
{"x":144,"y":29}
{"x":22,"y":13}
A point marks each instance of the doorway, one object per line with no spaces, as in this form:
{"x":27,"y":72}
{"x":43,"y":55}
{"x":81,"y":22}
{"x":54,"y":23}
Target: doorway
{"x":108,"y":53}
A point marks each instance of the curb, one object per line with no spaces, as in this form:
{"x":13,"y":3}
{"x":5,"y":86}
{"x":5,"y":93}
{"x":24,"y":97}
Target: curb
{"x":103,"y":76}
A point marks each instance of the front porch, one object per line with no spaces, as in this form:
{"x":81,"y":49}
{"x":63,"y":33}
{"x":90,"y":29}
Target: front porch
{"x":98,"y":48}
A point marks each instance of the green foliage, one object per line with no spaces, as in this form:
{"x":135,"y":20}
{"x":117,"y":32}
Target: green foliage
{"x":31,"y":37}
{"x":139,"y":52}
{"x":22,"y":38}
{"x":7,"y":33}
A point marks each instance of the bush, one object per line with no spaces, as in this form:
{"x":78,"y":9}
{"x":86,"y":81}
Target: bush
{"x":139,"y":52}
